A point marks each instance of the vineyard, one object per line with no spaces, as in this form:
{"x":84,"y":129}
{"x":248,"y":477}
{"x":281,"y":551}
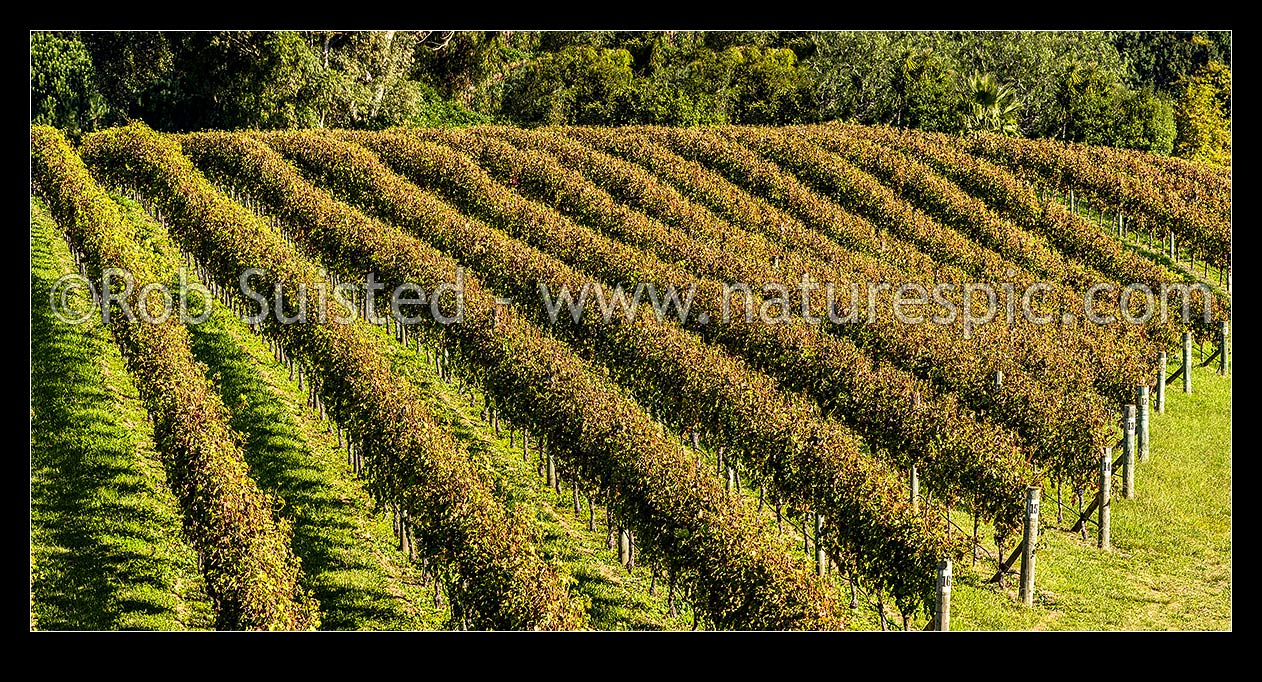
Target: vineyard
{"x":504,"y":452}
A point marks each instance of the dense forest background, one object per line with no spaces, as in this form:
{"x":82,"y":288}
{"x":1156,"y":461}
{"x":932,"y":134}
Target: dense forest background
{"x":1163,"y":92}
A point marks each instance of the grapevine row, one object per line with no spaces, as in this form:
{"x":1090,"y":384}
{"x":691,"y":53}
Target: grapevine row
{"x":943,"y":200}
{"x":790,"y":348}
{"x":1213,"y":182}
{"x":1018,"y":201}
{"x":1069,"y":166}
{"x":1181,"y":181}
{"x":250,"y":569}
{"x":1032,"y":349}
{"x":1111,"y":367}
{"x":878,"y":401}
{"x":695,"y":385}
{"x":409,"y":459}
{"x":839,"y":372}
{"x":679,"y":516}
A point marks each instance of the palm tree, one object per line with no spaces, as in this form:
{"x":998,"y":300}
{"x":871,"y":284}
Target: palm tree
{"x":989,"y":105}
{"x":1080,"y":79}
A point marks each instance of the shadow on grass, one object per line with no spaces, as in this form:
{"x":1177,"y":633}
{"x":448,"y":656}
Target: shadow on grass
{"x":619,"y":601}
{"x":337,"y":553}
{"x":105,"y":532}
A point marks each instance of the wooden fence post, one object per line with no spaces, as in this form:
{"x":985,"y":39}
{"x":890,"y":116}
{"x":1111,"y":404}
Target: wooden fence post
{"x":976,"y":523}
{"x":1031,"y":543}
{"x":915,"y":490}
{"x":1222,"y":348}
{"x":944,"y":595}
{"x":1187,"y":362}
{"x":1141,"y":399}
{"x":1128,"y":452}
{"x":1106,"y":484}
{"x":624,"y":546}
{"x":1161,"y":382}
{"x":820,"y":558}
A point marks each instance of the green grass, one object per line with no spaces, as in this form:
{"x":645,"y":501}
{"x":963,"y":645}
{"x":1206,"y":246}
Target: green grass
{"x":106,"y":541}
{"x":1170,"y":566}
{"x":349,"y":557}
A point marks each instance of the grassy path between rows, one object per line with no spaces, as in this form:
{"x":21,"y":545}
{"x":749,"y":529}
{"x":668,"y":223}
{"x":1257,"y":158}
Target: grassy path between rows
{"x":349,"y":557}
{"x":618,"y":599}
{"x":106,"y":541}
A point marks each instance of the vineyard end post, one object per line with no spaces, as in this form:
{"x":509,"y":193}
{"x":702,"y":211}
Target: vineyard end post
{"x":1187,"y":362}
{"x":1128,"y":452}
{"x":1031,"y":544}
{"x":1106,"y":484}
{"x":944,"y":596}
{"x":915,"y":490}
{"x":1141,"y":400}
{"x":1161,"y":383}
{"x":1222,"y":348}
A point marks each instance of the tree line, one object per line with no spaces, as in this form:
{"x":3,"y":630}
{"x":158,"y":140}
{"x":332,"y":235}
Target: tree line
{"x":1162,"y":92}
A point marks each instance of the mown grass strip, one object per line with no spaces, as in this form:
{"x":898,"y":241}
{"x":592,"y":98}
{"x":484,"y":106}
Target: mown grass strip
{"x":108,"y":550}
